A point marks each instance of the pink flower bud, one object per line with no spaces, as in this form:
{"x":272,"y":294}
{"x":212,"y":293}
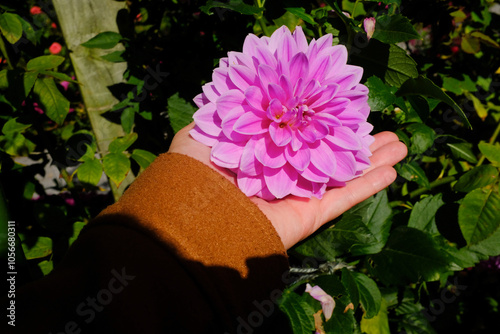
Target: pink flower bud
{"x":55,"y":48}
{"x":369,"y":25}
{"x":35,"y":10}
{"x":327,"y":302}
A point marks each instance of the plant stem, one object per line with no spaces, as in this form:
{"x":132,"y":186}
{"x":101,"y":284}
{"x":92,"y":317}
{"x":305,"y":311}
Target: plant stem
{"x":260,"y":17}
{"x":5,"y":54}
{"x":433,"y":184}
{"x":492,"y":140}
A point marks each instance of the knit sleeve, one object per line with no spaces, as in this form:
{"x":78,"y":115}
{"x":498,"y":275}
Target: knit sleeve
{"x":183,"y":250}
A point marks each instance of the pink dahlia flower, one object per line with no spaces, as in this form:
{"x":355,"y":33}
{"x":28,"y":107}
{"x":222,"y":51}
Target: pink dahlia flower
{"x":286,"y":117}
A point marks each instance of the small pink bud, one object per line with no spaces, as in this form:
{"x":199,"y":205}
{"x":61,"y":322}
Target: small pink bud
{"x":369,"y":25}
{"x":55,"y":48}
{"x":35,"y":10}
{"x":327,"y":302}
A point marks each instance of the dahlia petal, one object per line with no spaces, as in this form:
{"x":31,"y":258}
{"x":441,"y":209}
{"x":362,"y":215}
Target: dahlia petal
{"x":335,"y":106}
{"x":349,"y":76}
{"x":207,"y":120}
{"x":267,"y":75}
{"x":276,"y":37}
{"x":276,"y":92}
{"x":280,"y":133}
{"x":200,"y":100}
{"x":364,"y":129}
{"x":314,"y":131}
{"x":202,"y":137}
{"x":264,"y":56}
{"x":327,"y":119}
{"x":248,"y":184}
{"x":339,"y":57}
{"x":251,"y":43}
{"x":303,"y":188}
{"x":300,"y":39}
{"x":358,"y":98}
{"x":254,"y":97}
{"x":296,"y":142}
{"x":313,"y":174}
{"x":280,"y":181}
{"x":345,"y":138}
{"x":227,"y":153}
{"x":346,"y":166}
{"x":324,"y":97}
{"x":288,"y":89}
{"x":241,"y":76}
{"x":223,"y":62}
{"x":228,"y":101}
{"x":350,"y":116}
{"x":299,"y":67}
{"x":238,"y":58}
{"x":249,"y":163}
{"x":324,"y":41}
{"x":322,"y":157}
{"x":320,"y":68}
{"x":299,"y":159}
{"x":228,"y":124}
{"x":220,"y":78}
{"x":335,"y":183}
{"x":269,"y":154}
{"x":275,"y":110}
{"x":210,"y":92}
{"x":362,"y":161}
{"x":250,"y":123}
{"x":286,"y":48}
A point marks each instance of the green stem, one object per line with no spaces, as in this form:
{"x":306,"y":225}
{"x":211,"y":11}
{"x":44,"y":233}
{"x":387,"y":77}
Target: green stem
{"x":5,"y":54}
{"x":433,"y":184}
{"x":492,"y":140}
{"x":260,"y":17}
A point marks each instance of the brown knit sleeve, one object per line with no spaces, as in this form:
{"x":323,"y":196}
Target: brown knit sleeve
{"x":183,"y":251}
{"x":198,"y":212}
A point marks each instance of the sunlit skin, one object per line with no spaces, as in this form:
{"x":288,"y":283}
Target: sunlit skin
{"x":296,"y":218}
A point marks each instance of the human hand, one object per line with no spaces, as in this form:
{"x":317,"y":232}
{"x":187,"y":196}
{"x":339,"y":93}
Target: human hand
{"x":295,"y":218}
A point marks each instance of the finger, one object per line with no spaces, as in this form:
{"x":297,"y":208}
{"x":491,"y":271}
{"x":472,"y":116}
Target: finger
{"x":382,"y":139}
{"x":389,"y":154}
{"x":337,"y":201}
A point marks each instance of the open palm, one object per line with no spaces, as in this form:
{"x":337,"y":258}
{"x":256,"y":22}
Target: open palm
{"x":296,"y":218}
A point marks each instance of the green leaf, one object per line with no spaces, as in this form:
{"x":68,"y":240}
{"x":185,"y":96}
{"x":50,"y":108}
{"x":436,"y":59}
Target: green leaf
{"x":56,"y":106}
{"x":351,"y":286}
{"x":11,"y":27}
{"x":12,"y":127}
{"x":413,"y":172}
{"x":385,"y":61}
{"x":301,"y":13}
{"x":29,"y":80}
{"x":394,"y":29}
{"x":379,"y":324}
{"x":58,"y":75}
{"x":369,"y":294}
{"x":478,"y":215}
{"x":143,"y":158}
{"x":114,"y":57}
{"x":478,"y":177}
{"x":46,"y":267}
{"x":180,"y":112}
{"x":489,"y":246}
{"x":413,"y":319}
{"x":90,"y":171}
{"x":458,"y":87}
{"x":77,"y":228}
{"x":28,"y":30}
{"x":423,"y":214}
{"x":116,"y":166}
{"x":491,"y":152}
{"x":299,"y":312}
{"x":424,"y":86}
{"x":380,"y":96}
{"x":121,"y":144}
{"x":44,"y":63}
{"x":409,"y":256}
{"x":236,"y":5}
{"x":103,"y":40}
{"x":422,"y":137}
{"x":16,"y":144}
{"x":420,"y":106}
{"x":485,"y":39}
{"x":127,"y":119}
{"x":40,"y":248}
{"x":462,"y":151}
